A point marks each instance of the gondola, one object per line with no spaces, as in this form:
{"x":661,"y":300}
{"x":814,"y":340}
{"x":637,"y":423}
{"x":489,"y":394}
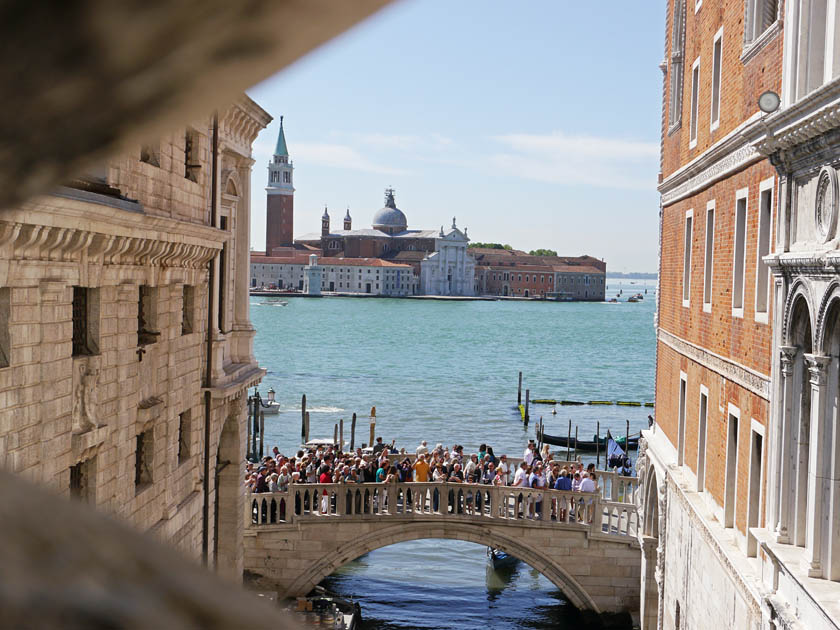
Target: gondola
{"x":498,"y":559}
{"x":585,"y":446}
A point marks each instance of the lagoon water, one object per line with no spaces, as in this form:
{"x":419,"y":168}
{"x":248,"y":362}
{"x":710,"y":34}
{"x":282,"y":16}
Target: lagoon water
{"x":446,"y":371}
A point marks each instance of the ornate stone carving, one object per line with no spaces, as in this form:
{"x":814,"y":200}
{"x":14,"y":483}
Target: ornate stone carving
{"x":787,"y":354}
{"x":817,"y":368}
{"x":825,"y":204}
{"x":681,"y":186}
{"x":753,"y":381}
{"x":85,"y":378}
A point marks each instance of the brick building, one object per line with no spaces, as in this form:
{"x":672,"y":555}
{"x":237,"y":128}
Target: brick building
{"x":514,"y":273}
{"x":113,"y":391}
{"x":734,"y":497}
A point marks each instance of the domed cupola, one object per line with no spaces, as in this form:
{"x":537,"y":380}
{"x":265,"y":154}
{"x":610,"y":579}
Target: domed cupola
{"x":390,"y":219}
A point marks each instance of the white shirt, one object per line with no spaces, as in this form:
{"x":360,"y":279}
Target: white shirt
{"x":520,"y":478}
{"x":502,"y":469}
{"x":528,"y":456}
{"x":422,"y":450}
{"x":587,"y":485}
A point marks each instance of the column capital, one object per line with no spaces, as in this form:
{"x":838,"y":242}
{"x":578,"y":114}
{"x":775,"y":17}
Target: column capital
{"x":787,"y":354}
{"x":817,"y":367}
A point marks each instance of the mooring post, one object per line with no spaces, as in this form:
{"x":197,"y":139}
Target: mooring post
{"x":306,"y":427}
{"x":335,"y":434}
{"x":627,"y":438}
{"x":527,"y":400}
{"x":341,"y":434}
{"x":353,"y":434}
{"x":262,"y":433}
{"x":598,"y":445}
{"x":519,"y":391}
{"x":576,"y":434}
{"x":372,"y":425}
{"x":303,"y":419}
{"x":569,"y":442}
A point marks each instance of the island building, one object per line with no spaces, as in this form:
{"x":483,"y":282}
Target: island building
{"x":125,"y":338}
{"x":741,"y":470}
{"x":503,"y":272}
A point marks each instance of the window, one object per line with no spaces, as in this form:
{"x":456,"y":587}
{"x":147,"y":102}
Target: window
{"x":731,"y":478}
{"x":191,"y":161}
{"x":689,"y":219}
{"x":188,"y":307}
{"x":681,"y":425}
{"x":85,"y":321}
{"x":708,"y":258}
{"x":143,"y":454}
{"x":287,"y":177}
{"x":701,"y":438}
{"x":760,"y":15}
{"x":695,"y":99}
{"x":150,"y":154}
{"x":5,"y":338}
{"x":184,"y":436}
{"x":717,"y":63}
{"x":83,"y":481}
{"x":762,"y":272}
{"x":147,"y":316}
{"x":810,"y":66}
{"x":739,"y":251}
{"x":754,"y":490}
{"x":677,"y":62}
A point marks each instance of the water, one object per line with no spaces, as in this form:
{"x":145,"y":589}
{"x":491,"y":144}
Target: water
{"x":447,"y":372}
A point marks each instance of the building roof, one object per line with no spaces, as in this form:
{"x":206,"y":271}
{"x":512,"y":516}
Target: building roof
{"x":281,"y":149}
{"x":418,"y":234}
{"x":330,"y":261}
{"x":389,"y":215}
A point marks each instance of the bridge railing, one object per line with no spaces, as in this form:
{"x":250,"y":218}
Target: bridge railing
{"x":317,"y":502}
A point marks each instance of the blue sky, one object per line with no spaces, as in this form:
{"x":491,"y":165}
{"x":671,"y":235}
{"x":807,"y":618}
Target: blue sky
{"x":534,"y":123}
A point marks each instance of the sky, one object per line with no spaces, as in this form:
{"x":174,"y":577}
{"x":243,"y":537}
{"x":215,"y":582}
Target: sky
{"x":534,"y":124}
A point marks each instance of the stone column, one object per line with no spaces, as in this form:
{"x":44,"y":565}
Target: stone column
{"x":832,"y":554}
{"x":818,"y":369}
{"x":784,"y":459}
{"x":649,"y":608}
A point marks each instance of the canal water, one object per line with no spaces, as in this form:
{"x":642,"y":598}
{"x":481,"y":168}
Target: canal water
{"x":446,"y":371}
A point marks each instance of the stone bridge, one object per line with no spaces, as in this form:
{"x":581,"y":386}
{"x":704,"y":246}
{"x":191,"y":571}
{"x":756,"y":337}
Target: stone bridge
{"x":585,"y":543}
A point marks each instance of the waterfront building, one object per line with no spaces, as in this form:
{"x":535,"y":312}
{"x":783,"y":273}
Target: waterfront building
{"x":504,"y":272}
{"x":113,"y":391}
{"x":370,"y":276}
{"x":440,"y":258}
{"x":739,"y":524}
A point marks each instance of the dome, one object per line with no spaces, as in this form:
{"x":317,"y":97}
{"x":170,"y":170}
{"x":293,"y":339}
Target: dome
{"x":389,"y":216}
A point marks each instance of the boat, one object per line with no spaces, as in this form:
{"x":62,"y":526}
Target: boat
{"x":584,"y":445}
{"x":632,"y":299}
{"x":270,"y":407}
{"x":498,"y":559}
{"x":322,"y":608}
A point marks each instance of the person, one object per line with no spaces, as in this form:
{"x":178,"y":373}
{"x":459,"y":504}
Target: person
{"x":491,"y":455}
{"x":588,"y":484}
{"x":482,"y":451}
{"x":469,"y":468}
{"x":503,"y":470}
{"x":537,"y":480}
{"x":529,"y":454}
{"x":262,"y":479}
{"x":379,"y":446}
{"x":421,"y":469}
{"x":627,"y":467}
{"x":546,"y":453}
{"x":383,"y":471}
{"x":520,"y":479}
{"x":564,"y":483}
{"x":283,"y":479}
{"x":489,"y":476}
{"x":423,"y":449}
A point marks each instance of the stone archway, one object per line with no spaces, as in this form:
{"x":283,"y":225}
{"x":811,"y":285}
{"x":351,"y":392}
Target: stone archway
{"x":649,"y":604}
{"x":334,"y":559}
{"x":228,"y":491}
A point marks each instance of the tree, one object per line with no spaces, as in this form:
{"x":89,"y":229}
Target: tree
{"x":490,"y":245}
{"x":542,"y":252}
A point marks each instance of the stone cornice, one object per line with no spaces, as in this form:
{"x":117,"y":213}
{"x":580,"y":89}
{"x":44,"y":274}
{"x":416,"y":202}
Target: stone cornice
{"x":749,"y":379}
{"x":241,"y":123}
{"x":728,"y":155}
{"x":48,"y":230}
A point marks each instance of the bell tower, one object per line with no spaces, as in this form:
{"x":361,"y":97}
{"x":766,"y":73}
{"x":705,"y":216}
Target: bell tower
{"x":348,"y":222}
{"x":279,"y":214}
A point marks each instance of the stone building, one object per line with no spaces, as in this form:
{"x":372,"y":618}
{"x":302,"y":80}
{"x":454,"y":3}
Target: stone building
{"x":440,"y":257}
{"x":113,"y":391}
{"x":370,"y":276}
{"x":740,"y":493}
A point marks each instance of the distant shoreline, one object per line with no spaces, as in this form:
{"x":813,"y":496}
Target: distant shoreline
{"x":640,"y":276}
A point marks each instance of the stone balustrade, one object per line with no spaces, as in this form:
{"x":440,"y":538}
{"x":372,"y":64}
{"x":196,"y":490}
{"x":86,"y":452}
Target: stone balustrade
{"x":590,"y":512}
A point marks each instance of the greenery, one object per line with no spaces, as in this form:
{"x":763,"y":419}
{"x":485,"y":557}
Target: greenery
{"x":490,"y":245}
{"x":542,"y":252}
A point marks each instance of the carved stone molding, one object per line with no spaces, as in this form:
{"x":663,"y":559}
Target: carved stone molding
{"x":825,"y":204}
{"x":787,"y":354}
{"x":61,"y":244}
{"x":755,"y":382}
{"x":817,"y":368}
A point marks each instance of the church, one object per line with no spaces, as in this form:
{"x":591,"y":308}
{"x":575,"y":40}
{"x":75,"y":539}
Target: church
{"x":439,"y":257}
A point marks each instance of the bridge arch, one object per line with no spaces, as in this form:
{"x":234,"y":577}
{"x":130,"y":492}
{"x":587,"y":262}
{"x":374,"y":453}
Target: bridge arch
{"x":404,"y":532}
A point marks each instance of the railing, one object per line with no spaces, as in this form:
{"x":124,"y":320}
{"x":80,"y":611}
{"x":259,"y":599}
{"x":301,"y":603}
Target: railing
{"x":499,"y":504}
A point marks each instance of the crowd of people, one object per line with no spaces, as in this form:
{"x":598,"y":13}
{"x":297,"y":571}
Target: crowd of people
{"x":327,"y":464}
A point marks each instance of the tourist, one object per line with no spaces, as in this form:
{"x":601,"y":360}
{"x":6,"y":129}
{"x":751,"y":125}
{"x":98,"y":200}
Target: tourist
{"x":529,"y":454}
{"x":272,"y":483}
{"x":491,"y":455}
{"x":489,"y":475}
{"x":537,"y":480}
{"x":456,"y":475}
{"x":520,"y":479}
{"x":589,"y":485}
{"x":379,"y":446}
{"x":504,"y":470}
{"x":421,"y":469}
{"x":482,"y":451}
{"x":469,"y":468}
{"x":283,"y":479}
{"x":423,"y":449}
{"x":545,"y":454}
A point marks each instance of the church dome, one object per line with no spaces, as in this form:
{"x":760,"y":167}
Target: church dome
{"x":390,"y":216}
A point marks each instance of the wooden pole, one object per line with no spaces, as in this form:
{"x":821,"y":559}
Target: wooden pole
{"x":262,"y":433}
{"x":306,"y":427}
{"x":598,"y":445}
{"x":254,"y":420}
{"x":519,"y":391}
{"x":250,"y":430}
{"x":341,"y":434}
{"x":303,"y":419}
{"x":372,"y":426}
{"x":569,"y":441}
{"x":576,"y":435}
{"x":353,"y":434}
{"x":527,"y":401}
{"x":627,"y":437}
{"x":335,"y":435}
